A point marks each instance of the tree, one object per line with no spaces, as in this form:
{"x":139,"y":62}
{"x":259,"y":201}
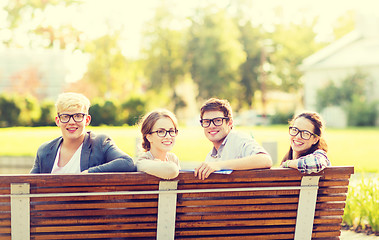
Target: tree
{"x":22,"y":13}
{"x":106,"y":76}
{"x":214,"y":54}
{"x":290,"y":52}
{"x":344,"y":24}
{"x":250,"y":39}
{"x":163,"y":56}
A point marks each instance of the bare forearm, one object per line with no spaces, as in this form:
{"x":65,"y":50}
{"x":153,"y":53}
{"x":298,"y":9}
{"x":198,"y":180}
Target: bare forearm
{"x":166,"y":170}
{"x":251,"y":162}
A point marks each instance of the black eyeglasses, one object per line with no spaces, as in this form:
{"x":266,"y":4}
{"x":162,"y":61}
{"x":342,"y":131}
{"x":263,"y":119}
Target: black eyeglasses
{"x":304,"y":134}
{"x":163,"y":132}
{"x":65,"y":118}
{"x":216,"y":121}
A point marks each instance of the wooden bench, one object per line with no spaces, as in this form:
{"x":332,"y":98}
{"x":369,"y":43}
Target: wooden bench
{"x":254,"y":204}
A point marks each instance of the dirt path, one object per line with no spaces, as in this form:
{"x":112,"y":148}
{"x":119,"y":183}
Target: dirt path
{"x":351,"y":235}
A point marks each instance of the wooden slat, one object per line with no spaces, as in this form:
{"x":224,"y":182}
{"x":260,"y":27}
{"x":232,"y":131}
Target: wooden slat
{"x":94,"y":198}
{"x":83,"y":235}
{"x":267,"y":207}
{"x":82,"y":206}
{"x":92,"y":220}
{"x":93,"y":228}
{"x":5,"y":230}
{"x":83,"y":213}
{"x":238,"y":194}
{"x":235,"y":215}
{"x":230,"y":202}
{"x":71,"y":189}
{"x":242,"y":237}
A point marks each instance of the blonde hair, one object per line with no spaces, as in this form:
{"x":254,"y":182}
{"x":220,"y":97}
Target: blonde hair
{"x":71,"y":101}
{"x":150,"y":119}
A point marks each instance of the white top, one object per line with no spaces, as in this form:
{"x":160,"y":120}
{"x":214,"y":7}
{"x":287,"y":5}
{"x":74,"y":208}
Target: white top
{"x":235,"y":145}
{"x":73,"y":166}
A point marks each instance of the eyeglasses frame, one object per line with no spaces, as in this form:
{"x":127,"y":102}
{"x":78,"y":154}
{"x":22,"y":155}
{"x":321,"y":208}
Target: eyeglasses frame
{"x":71,"y":116}
{"x":212,"y":121}
{"x":166,"y":131}
{"x":301,"y":133}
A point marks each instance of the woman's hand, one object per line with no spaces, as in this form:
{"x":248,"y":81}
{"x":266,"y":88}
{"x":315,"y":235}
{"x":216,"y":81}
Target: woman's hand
{"x":289,"y":164}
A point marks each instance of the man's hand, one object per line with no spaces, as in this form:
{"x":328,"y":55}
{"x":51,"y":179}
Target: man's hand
{"x":205,"y":169}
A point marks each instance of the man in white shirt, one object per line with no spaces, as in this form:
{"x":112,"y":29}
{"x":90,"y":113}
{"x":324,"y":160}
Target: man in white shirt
{"x":231,"y":150}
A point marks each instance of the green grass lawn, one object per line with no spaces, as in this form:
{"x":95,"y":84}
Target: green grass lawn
{"x":352,"y":146}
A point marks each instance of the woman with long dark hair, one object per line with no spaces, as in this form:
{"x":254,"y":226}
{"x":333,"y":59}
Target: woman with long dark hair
{"x":159,"y":129}
{"x":308,"y":147}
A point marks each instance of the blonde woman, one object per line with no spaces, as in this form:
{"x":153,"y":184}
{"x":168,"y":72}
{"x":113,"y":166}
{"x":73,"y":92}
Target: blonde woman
{"x":159,"y":130}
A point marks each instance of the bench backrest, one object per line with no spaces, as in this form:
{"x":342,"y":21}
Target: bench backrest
{"x":254,"y":204}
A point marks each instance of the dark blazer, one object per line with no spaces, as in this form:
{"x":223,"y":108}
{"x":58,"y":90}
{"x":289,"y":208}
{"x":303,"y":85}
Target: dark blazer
{"x":99,"y":154}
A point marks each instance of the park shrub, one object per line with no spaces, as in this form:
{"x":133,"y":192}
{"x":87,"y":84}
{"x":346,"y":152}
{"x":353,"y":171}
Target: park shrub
{"x":30,"y":110}
{"x":361,"y":112}
{"x":132,"y":110}
{"x":352,"y":95}
{"x":281,"y":117}
{"x":104,"y":113}
{"x":362,"y":205}
{"x":48,"y":113}
{"x":9,"y":111}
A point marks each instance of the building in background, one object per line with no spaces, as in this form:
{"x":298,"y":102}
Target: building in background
{"x":356,"y":51}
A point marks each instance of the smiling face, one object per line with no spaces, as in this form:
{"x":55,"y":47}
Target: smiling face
{"x":217,"y":134}
{"x":73,"y":131}
{"x":161,"y":144}
{"x":298,"y":144}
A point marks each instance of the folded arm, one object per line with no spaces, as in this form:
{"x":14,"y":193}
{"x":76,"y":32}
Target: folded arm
{"x":158,"y":168}
{"x":260,"y":160}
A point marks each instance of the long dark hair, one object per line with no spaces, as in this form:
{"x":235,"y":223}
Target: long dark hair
{"x":318,"y":124}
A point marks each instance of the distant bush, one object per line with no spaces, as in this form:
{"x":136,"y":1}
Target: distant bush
{"x":47,"y":115}
{"x":104,"y":113}
{"x":134,"y":109}
{"x":9,"y":111}
{"x":361,"y":112}
{"x":351,"y":95}
{"x":281,"y":117}
{"x":18,"y":110}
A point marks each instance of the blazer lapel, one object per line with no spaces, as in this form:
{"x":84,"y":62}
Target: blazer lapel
{"x":50,"y":156}
{"x":86,"y":150}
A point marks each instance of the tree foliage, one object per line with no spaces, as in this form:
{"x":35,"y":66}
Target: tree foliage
{"x":214,"y":54}
{"x":351,"y":94}
{"x":221,"y":50}
{"x":289,"y":53}
{"x":354,"y":85}
{"x":22,"y":13}
{"x":163,"y":56}
{"x":249,"y":69}
{"x":344,"y":24}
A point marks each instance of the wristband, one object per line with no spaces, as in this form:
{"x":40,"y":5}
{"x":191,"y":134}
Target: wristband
{"x":285,"y":164}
